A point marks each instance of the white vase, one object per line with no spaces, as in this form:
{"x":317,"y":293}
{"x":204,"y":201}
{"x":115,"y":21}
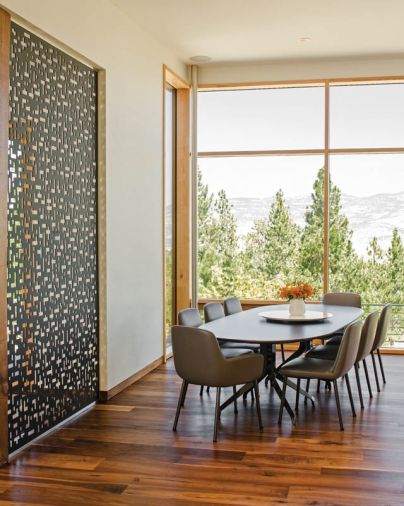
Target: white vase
{"x":297,"y":307}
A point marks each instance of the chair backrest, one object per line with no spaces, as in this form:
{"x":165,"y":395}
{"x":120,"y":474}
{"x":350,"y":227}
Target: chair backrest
{"x":367,"y":336}
{"x":342,"y":299}
{"x":348,"y":349}
{"x":232,"y":305}
{"x":382,"y":327}
{"x":189,"y":317}
{"x":197,"y":356}
{"x":213,"y":311}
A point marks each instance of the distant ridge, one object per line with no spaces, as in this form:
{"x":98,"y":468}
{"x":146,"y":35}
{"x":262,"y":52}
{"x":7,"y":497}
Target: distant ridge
{"x":369,"y":217}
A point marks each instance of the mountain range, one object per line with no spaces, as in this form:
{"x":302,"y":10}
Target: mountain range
{"x":369,"y":217}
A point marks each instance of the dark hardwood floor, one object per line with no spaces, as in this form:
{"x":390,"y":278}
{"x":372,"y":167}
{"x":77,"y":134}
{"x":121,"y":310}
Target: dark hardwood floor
{"x":125,"y":453}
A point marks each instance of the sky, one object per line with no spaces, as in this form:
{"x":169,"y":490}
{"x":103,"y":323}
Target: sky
{"x":293,"y":118}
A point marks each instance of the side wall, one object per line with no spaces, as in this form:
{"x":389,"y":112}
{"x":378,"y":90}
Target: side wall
{"x":134,"y":75}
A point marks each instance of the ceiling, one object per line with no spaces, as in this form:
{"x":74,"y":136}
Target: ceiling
{"x":265,"y":30}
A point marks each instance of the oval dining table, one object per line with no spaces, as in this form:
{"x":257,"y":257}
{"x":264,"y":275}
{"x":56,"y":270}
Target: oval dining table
{"x":249,"y":327}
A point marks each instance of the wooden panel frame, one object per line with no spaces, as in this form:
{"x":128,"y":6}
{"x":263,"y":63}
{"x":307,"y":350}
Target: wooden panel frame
{"x":181,"y":181}
{"x":5,"y":33}
{"x":5,"y":30}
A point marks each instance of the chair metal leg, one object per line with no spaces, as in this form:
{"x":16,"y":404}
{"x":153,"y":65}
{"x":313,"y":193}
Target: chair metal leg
{"x":297,"y":395}
{"x":375,"y":371}
{"x":341,"y":425}
{"x":185,"y":393}
{"x":307,"y":389}
{"x":348,"y":384}
{"x":283,"y":353}
{"x":283,"y":398}
{"x":365,"y":367}
{"x":201,"y":390}
{"x":181,"y":400}
{"x":217,"y":414}
{"x":235,"y":399}
{"x":318,"y":386}
{"x":381,"y":365}
{"x":358,"y":383}
{"x":207,"y":390}
{"x":258,"y":404}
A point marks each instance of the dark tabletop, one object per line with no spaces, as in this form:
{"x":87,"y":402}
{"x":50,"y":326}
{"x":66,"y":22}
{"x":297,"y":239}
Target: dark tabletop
{"x":247,"y":326}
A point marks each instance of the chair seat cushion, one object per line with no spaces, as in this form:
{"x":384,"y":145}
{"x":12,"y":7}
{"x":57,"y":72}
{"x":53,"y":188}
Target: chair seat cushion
{"x":323,"y":351}
{"x":306,"y":367}
{"x":247,"y":346}
{"x":235,"y":352}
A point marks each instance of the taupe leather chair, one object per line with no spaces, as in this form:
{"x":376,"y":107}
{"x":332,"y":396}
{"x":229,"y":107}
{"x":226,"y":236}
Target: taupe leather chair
{"x":213,"y":311}
{"x":199,"y":360}
{"x":329,"y":351}
{"x":341,"y":299}
{"x":190,"y":317}
{"x":328,"y":370}
{"x":380,"y":337}
{"x":232,"y":305}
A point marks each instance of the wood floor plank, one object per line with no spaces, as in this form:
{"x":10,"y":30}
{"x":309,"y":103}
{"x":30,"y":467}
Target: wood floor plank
{"x":124,"y":452}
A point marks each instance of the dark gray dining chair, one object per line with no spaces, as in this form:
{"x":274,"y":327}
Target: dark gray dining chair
{"x":380,"y":337}
{"x":327,"y":370}
{"x":199,"y":360}
{"x":213,"y":311}
{"x":330,"y":351}
{"x":190,"y":317}
{"x":232,"y":305}
{"x":341,"y":299}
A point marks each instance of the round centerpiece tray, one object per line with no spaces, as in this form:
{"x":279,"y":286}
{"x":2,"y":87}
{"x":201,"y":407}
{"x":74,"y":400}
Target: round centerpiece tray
{"x":282,"y":315}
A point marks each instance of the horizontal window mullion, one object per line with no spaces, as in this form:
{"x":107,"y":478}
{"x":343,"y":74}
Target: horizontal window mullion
{"x":294,"y":152}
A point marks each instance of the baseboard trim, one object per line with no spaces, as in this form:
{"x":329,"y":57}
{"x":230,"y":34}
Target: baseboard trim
{"x":106,"y":395}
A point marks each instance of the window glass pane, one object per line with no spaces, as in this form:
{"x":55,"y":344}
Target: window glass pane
{"x":286,"y":118}
{"x":367,"y":252}
{"x":367,"y":116}
{"x":260,"y":224}
{"x":169,"y":164}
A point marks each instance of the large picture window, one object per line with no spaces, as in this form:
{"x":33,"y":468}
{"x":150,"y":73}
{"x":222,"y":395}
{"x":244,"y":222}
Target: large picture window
{"x":306,"y":183}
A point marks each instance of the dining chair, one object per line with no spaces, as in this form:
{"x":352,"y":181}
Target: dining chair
{"x":380,"y":337}
{"x":213,"y":311}
{"x":232,"y":305}
{"x":328,"y":370}
{"x":190,"y":317}
{"x":341,"y":299}
{"x":330,"y":351}
{"x":199,"y":360}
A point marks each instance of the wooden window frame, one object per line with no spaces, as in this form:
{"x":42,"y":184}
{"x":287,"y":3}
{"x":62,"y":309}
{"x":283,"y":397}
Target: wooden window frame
{"x":326,"y":151}
{"x":181,"y":203}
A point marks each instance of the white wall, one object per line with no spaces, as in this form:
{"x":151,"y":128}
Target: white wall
{"x":301,"y":70}
{"x":133,"y":62}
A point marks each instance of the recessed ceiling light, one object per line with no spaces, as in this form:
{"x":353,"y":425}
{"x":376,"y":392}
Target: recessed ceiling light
{"x":200,"y":59}
{"x":305,"y":39}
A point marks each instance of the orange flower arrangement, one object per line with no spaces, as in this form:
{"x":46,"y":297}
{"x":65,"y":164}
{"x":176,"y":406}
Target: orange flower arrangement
{"x":300,"y":291}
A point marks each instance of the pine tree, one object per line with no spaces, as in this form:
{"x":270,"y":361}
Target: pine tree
{"x":272,"y":246}
{"x":395,"y":269}
{"x":343,"y":261}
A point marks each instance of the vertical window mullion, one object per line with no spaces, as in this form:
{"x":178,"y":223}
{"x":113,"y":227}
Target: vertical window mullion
{"x":326,"y":188}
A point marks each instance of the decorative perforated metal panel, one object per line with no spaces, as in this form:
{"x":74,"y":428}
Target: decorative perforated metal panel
{"x":52,"y":221}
